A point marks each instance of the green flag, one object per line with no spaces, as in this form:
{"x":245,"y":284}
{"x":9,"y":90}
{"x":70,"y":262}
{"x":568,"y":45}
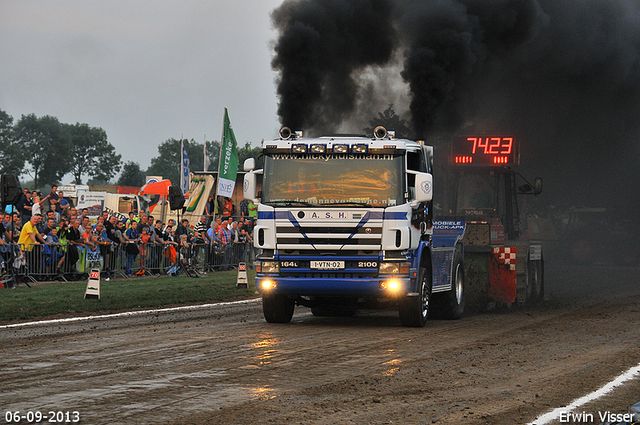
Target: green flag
{"x":228,"y":166}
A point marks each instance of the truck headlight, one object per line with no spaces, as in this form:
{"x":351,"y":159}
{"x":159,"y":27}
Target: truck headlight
{"x":390,"y":285}
{"x":268,"y":284}
{"x":268,"y":267}
{"x":395,"y":268}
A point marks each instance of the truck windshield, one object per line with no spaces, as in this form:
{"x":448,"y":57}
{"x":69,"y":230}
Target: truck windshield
{"x":349,"y":179}
{"x":476,"y":194}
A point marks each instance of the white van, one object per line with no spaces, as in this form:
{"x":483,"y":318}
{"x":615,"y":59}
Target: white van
{"x":115,"y":203}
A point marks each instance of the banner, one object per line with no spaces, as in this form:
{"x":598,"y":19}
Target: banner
{"x":198,"y":190}
{"x":228,"y":167}
{"x":184,"y":169}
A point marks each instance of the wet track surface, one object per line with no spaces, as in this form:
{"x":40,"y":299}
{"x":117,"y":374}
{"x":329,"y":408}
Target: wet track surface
{"x":224,"y":364}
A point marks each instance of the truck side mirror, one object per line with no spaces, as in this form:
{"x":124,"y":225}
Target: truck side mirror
{"x":537,"y":186}
{"x":249,"y":164}
{"x":424,"y":187}
{"x":250,"y":184}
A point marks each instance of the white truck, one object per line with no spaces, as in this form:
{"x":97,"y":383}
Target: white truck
{"x":346,"y":222}
{"x":116,"y":203}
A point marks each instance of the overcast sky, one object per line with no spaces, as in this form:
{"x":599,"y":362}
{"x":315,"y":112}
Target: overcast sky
{"x":144,"y":71}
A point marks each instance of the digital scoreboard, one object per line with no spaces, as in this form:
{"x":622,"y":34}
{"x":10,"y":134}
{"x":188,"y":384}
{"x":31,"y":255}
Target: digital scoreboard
{"x":484,"y":151}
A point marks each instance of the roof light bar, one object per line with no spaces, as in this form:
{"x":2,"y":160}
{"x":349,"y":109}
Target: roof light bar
{"x":299,"y":148}
{"x":318,"y":148}
{"x":359,"y":148}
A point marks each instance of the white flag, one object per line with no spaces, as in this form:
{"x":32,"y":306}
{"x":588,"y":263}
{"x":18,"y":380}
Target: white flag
{"x":206,"y":156}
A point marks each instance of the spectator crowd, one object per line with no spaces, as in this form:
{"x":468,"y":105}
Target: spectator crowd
{"x":47,"y":237}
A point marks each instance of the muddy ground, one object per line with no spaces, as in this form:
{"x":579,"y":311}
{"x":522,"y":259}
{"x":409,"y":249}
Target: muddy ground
{"x":223,"y":364}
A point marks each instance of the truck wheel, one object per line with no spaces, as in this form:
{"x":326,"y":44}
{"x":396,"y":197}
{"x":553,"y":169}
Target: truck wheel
{"x":415,"y":310}
{"x":450,"y":304}
{"x":277,"y":308}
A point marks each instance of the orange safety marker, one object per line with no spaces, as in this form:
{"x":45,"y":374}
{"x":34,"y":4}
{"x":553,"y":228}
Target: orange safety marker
{"x":93,"y":285}
{"x":242,"y":276}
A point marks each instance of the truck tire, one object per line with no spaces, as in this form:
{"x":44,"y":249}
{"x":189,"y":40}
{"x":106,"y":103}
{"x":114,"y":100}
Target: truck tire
{"x":415,"y":310}
{"x":277,"y":308}
{"x":450,"y":305}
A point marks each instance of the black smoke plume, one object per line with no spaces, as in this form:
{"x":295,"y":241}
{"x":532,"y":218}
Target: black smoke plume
{"x":561,"y":75}
{"x":322,"y":46}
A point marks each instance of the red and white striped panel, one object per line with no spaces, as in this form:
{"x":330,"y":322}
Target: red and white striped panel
{"x":506,"y":255}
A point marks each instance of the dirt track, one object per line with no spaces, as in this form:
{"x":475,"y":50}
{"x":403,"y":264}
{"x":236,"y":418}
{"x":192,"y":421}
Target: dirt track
{"x":224,"y":364}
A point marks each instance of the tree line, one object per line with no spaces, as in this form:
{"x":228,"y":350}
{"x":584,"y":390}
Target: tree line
{"x":46,"y":150}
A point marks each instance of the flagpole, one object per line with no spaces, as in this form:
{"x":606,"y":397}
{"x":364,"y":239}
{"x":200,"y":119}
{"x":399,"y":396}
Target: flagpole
{"x":181,"y":163}
{"x":205,"y":162}
{"x":215,"y":200}
{"x":181,"y":174}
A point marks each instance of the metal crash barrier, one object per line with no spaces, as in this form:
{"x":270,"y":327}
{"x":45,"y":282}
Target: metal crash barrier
{"x":49,"y":262}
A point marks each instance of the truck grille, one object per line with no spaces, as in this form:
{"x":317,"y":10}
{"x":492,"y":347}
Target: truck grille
{"x":330,"y":237}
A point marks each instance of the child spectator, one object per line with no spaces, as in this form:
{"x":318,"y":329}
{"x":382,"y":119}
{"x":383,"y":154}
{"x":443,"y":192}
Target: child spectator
{"x":185,"y":250}
{"x":36,"y":208}
{"x":55,"y":254}
{"x":170,"y":251}
{"x":144,"y":240}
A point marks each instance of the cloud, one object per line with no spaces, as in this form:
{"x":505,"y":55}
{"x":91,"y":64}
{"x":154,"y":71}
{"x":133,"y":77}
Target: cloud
{"x":143,"y":71}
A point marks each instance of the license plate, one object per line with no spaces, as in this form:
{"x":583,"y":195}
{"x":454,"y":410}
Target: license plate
{"x":327,"y":265}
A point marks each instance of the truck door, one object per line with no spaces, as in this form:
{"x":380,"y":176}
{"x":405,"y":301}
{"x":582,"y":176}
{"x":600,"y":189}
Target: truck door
{"x":423,"y":212}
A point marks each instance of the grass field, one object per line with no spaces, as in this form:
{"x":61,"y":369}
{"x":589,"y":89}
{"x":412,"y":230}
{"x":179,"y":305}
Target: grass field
{"x":67,"y":298}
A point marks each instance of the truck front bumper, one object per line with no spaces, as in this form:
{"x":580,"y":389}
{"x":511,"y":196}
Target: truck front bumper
{"x":383,"y":286}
